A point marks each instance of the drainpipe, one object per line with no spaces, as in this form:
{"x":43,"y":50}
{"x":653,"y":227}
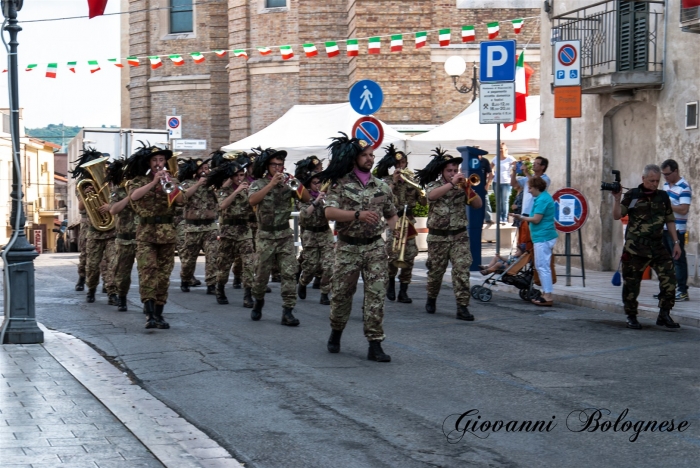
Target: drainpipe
{"x":663,"y":70}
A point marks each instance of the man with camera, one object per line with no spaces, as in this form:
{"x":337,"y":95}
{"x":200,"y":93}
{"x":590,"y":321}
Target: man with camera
{"x":649,"y":209}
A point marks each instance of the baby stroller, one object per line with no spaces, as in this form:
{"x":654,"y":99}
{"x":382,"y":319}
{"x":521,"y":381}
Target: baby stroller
{"x":519,"y":274}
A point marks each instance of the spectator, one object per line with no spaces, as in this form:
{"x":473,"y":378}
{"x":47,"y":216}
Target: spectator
{"x":517,"y":206}
{"x":539,"y":167}
{"x":487,"y":177}
{"x":504,"y":179}
{"x":501,"y":263}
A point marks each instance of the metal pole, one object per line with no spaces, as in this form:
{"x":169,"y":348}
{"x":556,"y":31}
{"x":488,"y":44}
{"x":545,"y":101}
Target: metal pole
{"x":19,"y":326}
{"x":498,"y":189}
{"x":567,"y":238}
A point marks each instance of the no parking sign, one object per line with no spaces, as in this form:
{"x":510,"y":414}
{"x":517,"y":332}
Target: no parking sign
{"x":570,"y":210}
{"x":174,"y":126}
{"x":370,"y":130}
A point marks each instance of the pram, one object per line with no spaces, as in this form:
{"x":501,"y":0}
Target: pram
{"x":520,"y":274}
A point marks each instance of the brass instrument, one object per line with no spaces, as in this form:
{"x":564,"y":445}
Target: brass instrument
{"x":326,"y":185}
{"x":167,"y":183}
{"x":407,"y":176}
{"x":291,"y":181}
{"x":402,"y":240}
{"x":472,"y":181}
{"x":98,"y":197}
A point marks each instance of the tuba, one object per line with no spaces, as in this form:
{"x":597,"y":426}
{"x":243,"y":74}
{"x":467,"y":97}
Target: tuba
{"x":98,"y":197}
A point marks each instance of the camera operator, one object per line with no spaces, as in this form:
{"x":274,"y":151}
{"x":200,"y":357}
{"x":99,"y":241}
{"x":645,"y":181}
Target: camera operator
{"x":648,"y":209}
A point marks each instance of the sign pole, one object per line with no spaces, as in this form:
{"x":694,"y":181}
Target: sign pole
{"x":498,"y":189}
{"x":567,"y":245}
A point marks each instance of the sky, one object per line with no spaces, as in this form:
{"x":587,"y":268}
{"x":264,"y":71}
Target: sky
{"x":82,"y":99}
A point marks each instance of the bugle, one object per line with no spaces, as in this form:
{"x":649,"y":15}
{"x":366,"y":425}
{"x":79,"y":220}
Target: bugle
{"x":407,"y":177}
{"x":472,"y":181}
{"x":402,"y":240}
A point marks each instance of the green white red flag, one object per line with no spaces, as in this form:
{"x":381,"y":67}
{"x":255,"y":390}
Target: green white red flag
{"x":156,"y":62}
{"x":523,"y":72}
{"x":332,"y":49}
{"x":375,"y":45}
{"x":493,"y":29}
{"x":264,"y":50}
{"x":71,"y":66}
{"x":421,"y":39}
{"x":94,"y":66}
{"x":286,"y":52}
{"x":31,"y":67}
{"x":444,"y":36}
{"x":220,"y":53}
{"x":310,"y":50}
{"x":197,"y":57}
{"x":517,"y":25}
{"x":397,"y":43}
{"x":116,"y":62}
{"x":96,"y":8}
{"x":240,"y":53}
{"x":353,"y":48}
{"x":133,"y":61}
{"x":51,"y":69}
{"x":177,"y":60}
{"x":468,"y":33}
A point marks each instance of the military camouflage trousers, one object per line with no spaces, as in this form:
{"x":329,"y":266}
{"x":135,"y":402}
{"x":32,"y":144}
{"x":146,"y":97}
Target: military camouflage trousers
{"x":229,"y":250}
{"x":439,"y":255}
{"x":122,"y":264}
{"x":350,"y":262}
{"x":82,"y":245}
{"x":317,"y":259}
{"x":409,"y":256}
{"x":155,"y":263}
{"x":99,"y":253}
{"x":194,"y":242}
{"x":633,"y":267}
{"x":278,"y":252}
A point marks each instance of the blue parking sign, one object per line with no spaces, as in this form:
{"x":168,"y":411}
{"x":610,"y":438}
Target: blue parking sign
{"x":497,"y":61}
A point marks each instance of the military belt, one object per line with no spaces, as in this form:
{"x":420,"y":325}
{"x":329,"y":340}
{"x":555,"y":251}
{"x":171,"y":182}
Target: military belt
{"x":156,"y":220}
{"x":446,"y":232}
{"x":279,"y":227}
{"x":318,"y":229}
{"x":358,"y":240}
{"x":648,"y":241}
{"x":200,"y":222}
{"x":234,"y":222}
{"x":127,"y":236}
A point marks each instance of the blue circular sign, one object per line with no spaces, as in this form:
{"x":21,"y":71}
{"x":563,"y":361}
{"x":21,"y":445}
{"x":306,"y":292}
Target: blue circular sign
{"x":366,"y":97}
{"x":173,"y":122}
{"x":370,"y":130}
{"x":567,"y":55}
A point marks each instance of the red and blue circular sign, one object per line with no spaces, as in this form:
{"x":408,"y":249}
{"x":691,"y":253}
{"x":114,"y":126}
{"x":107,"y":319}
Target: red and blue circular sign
{"x":567,"y":55}
{"x":570,"y":210}
{"x":370,"y":130}
{"x":173,"y":122}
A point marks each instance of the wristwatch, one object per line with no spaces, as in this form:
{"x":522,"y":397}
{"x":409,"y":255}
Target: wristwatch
{"x":357,"y":215}
{"x":677,"y":242}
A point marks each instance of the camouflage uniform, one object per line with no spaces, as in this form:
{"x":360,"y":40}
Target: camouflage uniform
{"x":82,"y":242}
{"x":404,"y":195}
{"x":275,"y":241}
{"x":253,"y":225}
{"x":644,"y":247}
{"x":360,"y":250}
{"x":236,"y":237}
{"x":200,"y":234}
{"x":123,"y":261}
{"x":317,"y":242}
{"x":155,"y":241}
{"x":448,"y":241}
{"x":100,"y":249}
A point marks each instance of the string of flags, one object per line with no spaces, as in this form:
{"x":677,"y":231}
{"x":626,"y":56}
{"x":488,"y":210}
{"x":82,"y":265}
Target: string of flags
{"x":331,"y":49}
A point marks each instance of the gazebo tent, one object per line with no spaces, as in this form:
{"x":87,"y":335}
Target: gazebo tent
{"x":306,"y":130}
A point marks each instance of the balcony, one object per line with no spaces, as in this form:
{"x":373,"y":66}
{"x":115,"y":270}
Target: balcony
{"x":690,"y":16}
{"x":621,"y":44}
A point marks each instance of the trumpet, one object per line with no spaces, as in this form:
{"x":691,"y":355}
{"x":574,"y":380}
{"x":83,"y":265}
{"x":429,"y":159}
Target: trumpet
{"x":401,"y":241}
{"x":291,"y":181}
{"x":326,"y":185}
{"x":472,"y":181}
{"x":408,"y":178}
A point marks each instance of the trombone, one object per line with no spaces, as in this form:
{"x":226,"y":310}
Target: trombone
{"x":402,"y":240}
{"x":407,"y":176}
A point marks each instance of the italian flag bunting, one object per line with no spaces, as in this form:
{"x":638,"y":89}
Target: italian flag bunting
{"x":517,"y":25}
{"x":51,"y":69}
{"x":353,"y":48}
{"x":421,"y":39}
{"x":310,"y":50}
{"x":375,"y":45}
{"x":155,"y":61}
{"x":523,"y":72}
{"x":133,"y":61}
{"x":468,"y":33}
{"x":94,"y":66}
{"x":116,"y":62}
{"x":444,"y":36}
{"x":397,"y":43}
{"x":71,"y":66}
{"x":286,"y":52}
{"x":240,"y":53}
{"x":31,"y":67}
{"x":220,"y":53}
{"x":332,"y":49}
{"x":264,"y":50}
{"x":493,"y":29}
{"x":177,"y":60}
{"x":197,"y":57}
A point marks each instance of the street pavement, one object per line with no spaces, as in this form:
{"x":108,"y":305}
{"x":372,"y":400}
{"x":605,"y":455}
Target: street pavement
{"x":272,"y":396}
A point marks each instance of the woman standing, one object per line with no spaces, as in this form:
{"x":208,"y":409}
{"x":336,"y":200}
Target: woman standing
{"x":543,"y":234}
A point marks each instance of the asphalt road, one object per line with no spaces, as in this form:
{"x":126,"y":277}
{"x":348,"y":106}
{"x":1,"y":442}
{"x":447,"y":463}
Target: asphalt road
{"x":274,"y":397}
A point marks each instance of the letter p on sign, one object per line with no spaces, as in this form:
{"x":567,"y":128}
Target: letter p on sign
{"x":494,"y":62}
{"x":497,"y":61}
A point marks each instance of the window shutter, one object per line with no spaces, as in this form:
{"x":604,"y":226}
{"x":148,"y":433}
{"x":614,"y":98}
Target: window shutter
{"x":632,"y":35}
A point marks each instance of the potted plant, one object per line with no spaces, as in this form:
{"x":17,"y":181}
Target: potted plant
{"x":420,"y":212}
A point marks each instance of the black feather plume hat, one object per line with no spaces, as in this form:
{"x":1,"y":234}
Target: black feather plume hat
{"x":88,"y":154}
{"x":435,"y":167}
{"x":221,"y":173}
{"x":139,"y":163}
{"x":262,"y":158}
{"x":343,"y":152}
{"x":391,"y":159}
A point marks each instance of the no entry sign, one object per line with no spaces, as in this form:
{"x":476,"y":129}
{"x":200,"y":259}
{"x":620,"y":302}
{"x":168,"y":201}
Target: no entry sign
{"x":570,"y":210}
{"x":370,"y":130}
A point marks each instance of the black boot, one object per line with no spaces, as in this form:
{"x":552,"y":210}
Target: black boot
{"x":195,"y":282}
{"x":236,"y":282}
{"x":403,"y":294}
{"x":665,"y":319}
{"x":633,"y":323}
{"x":248,"y":298}
{"x":334,"y":341}
{"x":288,"y":318}
{"x":324,"y":299}
{"x":301,"y":291}
{"x":113,"y":300}
{"x":122,"y":304}
{"x":91,"y":295}
{"x":149,"y":308}
{"x":211,"y":289}
{"x":220,"y":294}
{"x":158,"y":315}
{"x":430,"y":305}
{"x":184,"y":286}
{"x":276,"y":278}
{"x":256,"y":313}
{"x":376,"y":353}
{"x":104,"y":289}
{"x":317,"y":283}
{"x":391,"y":290}
{"x":80,"y":285}
{"x":463,"y":314}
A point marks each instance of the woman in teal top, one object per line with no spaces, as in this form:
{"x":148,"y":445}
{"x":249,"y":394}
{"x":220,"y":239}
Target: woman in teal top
{"x":543,"y":234}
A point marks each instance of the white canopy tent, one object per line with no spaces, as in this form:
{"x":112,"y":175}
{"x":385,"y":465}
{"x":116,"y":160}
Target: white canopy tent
{"x":465,"y":130}
{"x":306,"y":130}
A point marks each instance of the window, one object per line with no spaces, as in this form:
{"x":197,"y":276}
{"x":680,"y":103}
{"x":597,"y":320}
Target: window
{"x":181,"y":16}
{"x":691,"y":115}
{"x":275,"y":3}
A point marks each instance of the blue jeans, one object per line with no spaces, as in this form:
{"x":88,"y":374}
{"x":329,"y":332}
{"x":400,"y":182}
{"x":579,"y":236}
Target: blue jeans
{"x":681,"y":264}
{"x":504,"y":195}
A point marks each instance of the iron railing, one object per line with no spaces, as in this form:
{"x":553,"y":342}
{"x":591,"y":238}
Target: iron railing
{"x":615,"y":35}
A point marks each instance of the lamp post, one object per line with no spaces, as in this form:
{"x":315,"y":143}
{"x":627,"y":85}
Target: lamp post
{"x":19,"y":326}
{"x":455,"y":67}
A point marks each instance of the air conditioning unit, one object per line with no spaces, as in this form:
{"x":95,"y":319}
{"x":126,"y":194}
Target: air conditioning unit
{"x":690,"y":16}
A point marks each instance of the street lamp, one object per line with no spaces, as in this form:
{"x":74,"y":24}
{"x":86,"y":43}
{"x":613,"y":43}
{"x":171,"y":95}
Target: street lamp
{"x":455,"y":67}
{"x":19,"y":326}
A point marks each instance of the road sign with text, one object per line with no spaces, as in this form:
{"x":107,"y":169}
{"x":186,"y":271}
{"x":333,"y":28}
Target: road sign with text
{"x":497,"y":103}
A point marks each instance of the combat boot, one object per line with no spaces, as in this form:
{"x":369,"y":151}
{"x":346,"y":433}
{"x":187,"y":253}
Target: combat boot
{"x":403,"y":294}
{"x":80,"y":285}
{"x":391,"y":290}
{"x":211,"y":289}
{"x":195,"y":282}
{"x":236,"y":282}
{"x":104,"y":289}
{"x":91,"y":295}
{"x":301,"y":291}
{"x":324,"y":299}
{"x":334,"y":341}
{"x":122,"y":304}
{"x":317,"y":283}
{"x":248,"y":298}
{"x":376,"y":353}
{"x":430,"y":305}
{"x":256,"y":313}
{"x":463,"y":314}
{"x":288,"y":318}
{"x":158,"y":316}
{"x":665,"y":319}
{"x":220,"y":294}
{"x":633,"y":323}
{"x":113,"y":300}
{"x":184,"y":286}
{"x":149,"y":309}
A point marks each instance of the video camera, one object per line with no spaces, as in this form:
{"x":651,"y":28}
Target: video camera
{"x":614,"y":187}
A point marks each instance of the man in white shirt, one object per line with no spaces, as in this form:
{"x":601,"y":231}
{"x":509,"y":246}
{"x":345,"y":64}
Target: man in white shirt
{"x":505,"y":180}
{"x":539,"y":167}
